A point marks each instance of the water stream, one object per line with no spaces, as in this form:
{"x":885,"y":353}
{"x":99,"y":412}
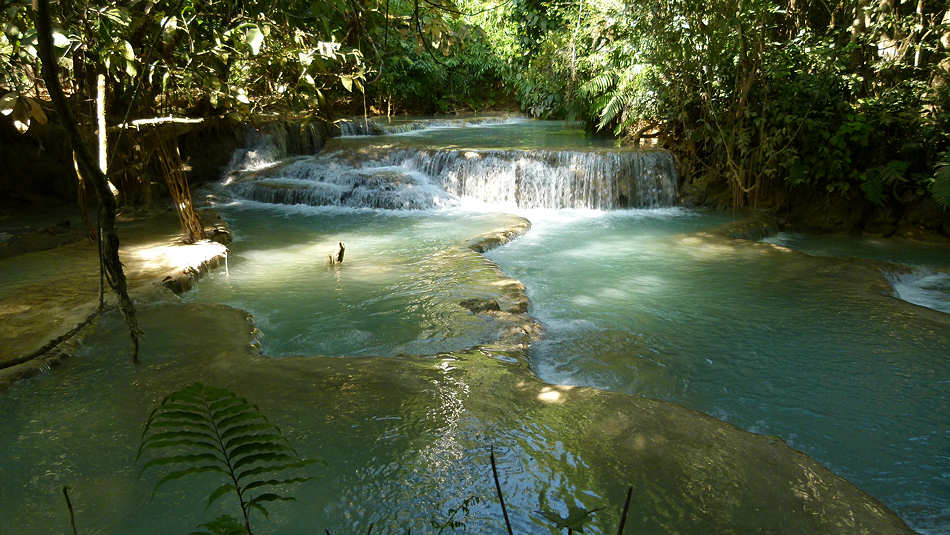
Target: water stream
{"x":386,"y":376}
{"x":804,"y":347}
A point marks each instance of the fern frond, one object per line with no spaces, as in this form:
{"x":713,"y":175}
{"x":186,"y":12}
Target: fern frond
{"x":223,"y":525}
{"x":201,"y":429}
{"x":613,"y":108}
{"x":599,"y":84}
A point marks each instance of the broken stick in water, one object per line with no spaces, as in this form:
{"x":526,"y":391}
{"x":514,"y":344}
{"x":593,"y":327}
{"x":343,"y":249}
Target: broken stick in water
{"x":339,"y":256}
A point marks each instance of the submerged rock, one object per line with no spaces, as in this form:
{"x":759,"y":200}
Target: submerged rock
{"x":480,"y":305}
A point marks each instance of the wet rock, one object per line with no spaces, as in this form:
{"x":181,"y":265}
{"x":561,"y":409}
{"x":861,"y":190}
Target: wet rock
{"x":753,"y":228}
{"x":180,"y":281}
{"x":477,"y":305}
{"x":490,"y":240}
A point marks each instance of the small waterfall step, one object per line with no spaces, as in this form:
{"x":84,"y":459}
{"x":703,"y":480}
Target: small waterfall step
{"x":436,"y":171}
{"x":423,"y":179}
{"x":382,"y":126}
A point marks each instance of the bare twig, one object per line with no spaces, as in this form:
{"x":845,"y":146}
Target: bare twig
{"x":623,"y":515}
{"x":69,"y":505}
{"x":52,"y":343}
{"x":501,"y":497}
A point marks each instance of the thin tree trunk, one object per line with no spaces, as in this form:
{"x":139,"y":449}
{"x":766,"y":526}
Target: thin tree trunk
{"x":177,"y":181}
{"x":90,"y":171}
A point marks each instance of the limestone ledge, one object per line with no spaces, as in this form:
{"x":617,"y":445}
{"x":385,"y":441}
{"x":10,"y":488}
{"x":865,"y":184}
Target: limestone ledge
{"x":35,"y":313}
{"x":511,"y":306}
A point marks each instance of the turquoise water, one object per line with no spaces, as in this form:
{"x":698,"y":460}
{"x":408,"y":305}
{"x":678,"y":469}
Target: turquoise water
{"x":927,"y":285}
{"x":810,"y":349}
{"x":395,"y":292}
{"x":516,"y":134}
{"x":816,"y":349}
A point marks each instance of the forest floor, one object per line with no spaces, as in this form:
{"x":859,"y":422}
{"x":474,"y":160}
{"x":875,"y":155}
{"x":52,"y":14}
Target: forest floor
{"x":46,"y":293}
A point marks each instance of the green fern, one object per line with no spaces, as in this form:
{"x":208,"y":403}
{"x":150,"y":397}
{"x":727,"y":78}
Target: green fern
{"x":202,"y":429}
{"x":599,"y":84}
{"x":223,"y":525}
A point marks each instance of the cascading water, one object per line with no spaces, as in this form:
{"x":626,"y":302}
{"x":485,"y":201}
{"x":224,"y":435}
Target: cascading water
{"x":390,"y":174}
{"x":810,"y":349}
{"x":320,"y":181}
{"x":552,"y":179}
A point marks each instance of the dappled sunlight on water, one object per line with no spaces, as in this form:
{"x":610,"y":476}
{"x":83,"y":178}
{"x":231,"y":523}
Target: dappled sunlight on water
{"x":811,"y":349}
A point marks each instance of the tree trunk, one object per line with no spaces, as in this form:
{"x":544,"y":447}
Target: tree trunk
{"x":90,"y":171}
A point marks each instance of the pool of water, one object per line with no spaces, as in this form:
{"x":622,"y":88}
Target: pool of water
{"x":815,"y":350}
{"x":513,"y":134}
{"x":397,"y":290}
{"x":403,"y":443}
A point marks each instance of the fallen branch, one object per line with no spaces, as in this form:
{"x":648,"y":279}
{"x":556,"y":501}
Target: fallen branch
{"x":155,"y":121}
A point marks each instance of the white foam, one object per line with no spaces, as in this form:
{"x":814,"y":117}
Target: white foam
{"x":923,"y":287}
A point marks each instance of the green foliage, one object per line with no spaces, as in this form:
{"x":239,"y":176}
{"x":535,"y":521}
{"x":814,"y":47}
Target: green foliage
{"x":201,"y":429}
{"x":940,"y":186}
{"x":223,"y":525}
{"x":758,"y":95}
{"x":257,"y":56}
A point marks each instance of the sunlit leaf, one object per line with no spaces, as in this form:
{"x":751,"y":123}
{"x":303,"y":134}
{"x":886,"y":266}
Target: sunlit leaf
{"x":21,"y":111}
{"x":254,"y":38}
{"x":7,"y":102}
{"x":347,"y":82}
{"x":36,"y":110}
{"x":127,"y":51}
{"x":60,"y":40}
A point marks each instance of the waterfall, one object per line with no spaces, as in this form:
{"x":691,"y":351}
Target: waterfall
{"x":270,"y":142}
{"x":552,"y":179}
{"x":392,"y":176}
{"x":325,"y":181}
